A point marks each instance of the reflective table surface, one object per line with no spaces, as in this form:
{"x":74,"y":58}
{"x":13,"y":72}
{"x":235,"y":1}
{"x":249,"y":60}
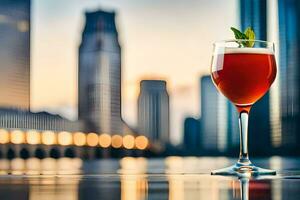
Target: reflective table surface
{"x":173,"y":178}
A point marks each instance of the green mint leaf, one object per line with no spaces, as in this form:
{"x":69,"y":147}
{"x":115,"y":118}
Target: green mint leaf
{"x":239,"y":36}
{"x":250,"y":35}
{"x":247,"y":35}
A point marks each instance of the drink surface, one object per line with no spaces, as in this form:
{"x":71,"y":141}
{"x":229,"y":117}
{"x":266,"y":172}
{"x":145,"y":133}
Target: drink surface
{"x":244,"y":75}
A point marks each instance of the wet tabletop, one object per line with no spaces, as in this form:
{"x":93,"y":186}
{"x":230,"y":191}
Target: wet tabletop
{"x":129,"y":178}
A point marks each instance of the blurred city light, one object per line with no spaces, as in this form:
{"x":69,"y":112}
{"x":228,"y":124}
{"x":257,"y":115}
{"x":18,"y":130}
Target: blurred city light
{"x":104,"y":140}
{"x":33,"y":137}
{"x":128,"y":141}
{"x":65,"y":138}
{"x":79,"y":139}
{"x":17,"y":137}
{"x":116,"y":141}
{"x":92,"y":139}
{"x":4,"y":136}
{"x":141,"y":142}
{"x":48,"y":138}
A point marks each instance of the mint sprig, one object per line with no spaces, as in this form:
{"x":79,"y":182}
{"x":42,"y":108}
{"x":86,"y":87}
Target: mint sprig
{"x":247,"y":35}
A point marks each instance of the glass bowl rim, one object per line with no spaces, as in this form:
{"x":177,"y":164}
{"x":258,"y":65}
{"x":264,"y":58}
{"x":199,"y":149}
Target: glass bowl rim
{"x":268,"y":43}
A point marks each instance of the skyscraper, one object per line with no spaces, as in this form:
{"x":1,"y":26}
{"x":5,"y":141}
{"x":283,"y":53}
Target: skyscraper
{"x":192,"y":138}
{"x":254,"y":14}
{"x":219,"y":119}
{"x":153,"y":110}
{"x":100,"y":75}
{"x":289,"y":69}
{"x":15,"y":54}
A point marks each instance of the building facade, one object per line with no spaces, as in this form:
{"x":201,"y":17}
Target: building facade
{"x":289,"y":69}
{"x":15,"y":54}
{"x":219,"y":119}
{"x":99,"y":75}
{"x":153,"y":110}
{"x":192,"y":135}
{"x":42,"y":121}
{"x":253,"y":13}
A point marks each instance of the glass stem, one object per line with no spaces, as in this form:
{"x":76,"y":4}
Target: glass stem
{"x":243,"y":122}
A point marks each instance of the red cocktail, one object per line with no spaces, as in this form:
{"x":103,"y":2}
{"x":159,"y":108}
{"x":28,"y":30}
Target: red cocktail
{"x":243,"y":75}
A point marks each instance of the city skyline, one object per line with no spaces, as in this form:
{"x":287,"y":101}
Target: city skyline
{"x":143,"y":58}
{"x":178,"y":101}
{"x":99,"y":80}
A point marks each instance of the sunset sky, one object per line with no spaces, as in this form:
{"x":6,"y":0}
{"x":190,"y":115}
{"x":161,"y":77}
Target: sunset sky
{"x":160,"y":39}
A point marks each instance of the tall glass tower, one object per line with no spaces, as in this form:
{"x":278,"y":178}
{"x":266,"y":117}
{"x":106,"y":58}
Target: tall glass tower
{"x":192,"y":135}
{"x":15,"y":54}
{"x":254,"y":14}
{"x":219,"y":120}
{"x":153,"y":110}
{"x":100,"y":75}
{"x":289,"y":69}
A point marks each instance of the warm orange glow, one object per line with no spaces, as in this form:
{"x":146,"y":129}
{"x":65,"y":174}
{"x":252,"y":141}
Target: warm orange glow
{"x":79,"y":139}
{"x":128,"y":141}
{"x":17,"y":137}
{"x":65,"y":138}
{"x":48,"y":138}
{"x":141,"y":142}
{"x":4,"y":136}
{"x":92,"y":139}
{"x":116,"y":141}
{"x":33,"y":137}
{"x":104,"y":140}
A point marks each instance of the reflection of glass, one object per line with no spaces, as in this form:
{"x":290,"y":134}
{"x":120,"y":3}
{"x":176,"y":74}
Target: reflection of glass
{"x":244,"y":184}
{"x":243,"y":75}
{"x":134,"y":184}
{"x":249,"y":188}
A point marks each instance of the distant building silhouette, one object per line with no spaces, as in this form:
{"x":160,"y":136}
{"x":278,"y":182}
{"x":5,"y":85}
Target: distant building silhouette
{"x":26,"y":120}
{"x":192,"y":135}
{"x":219,"y":120}
{"x":289,"y":69}
{"x":233,"y":128}
{"x":254,"y":14}
{"x":15,"y":54}
{"x":100,"y":75}
{"x":153,"y":110}
{"x":211,"y":105}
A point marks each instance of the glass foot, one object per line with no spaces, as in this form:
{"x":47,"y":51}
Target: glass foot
{"x":243,"y":170}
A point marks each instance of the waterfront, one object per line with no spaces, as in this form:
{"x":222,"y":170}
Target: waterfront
{"x":140,"y":178}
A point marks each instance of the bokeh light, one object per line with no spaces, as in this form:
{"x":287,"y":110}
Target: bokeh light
{"x":33,"y":137}
{"x":141,"y":142}
{"x":104,"y":140}
{"x":17,"y":137}
{"x":92,"y":139}
{"x":79,"y":139}
{"x":116,"y":141}
{"x":64,"y":138}
{"x":48,"y":138}
{"x":4,"y":136}
{"x":128,"y":141}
